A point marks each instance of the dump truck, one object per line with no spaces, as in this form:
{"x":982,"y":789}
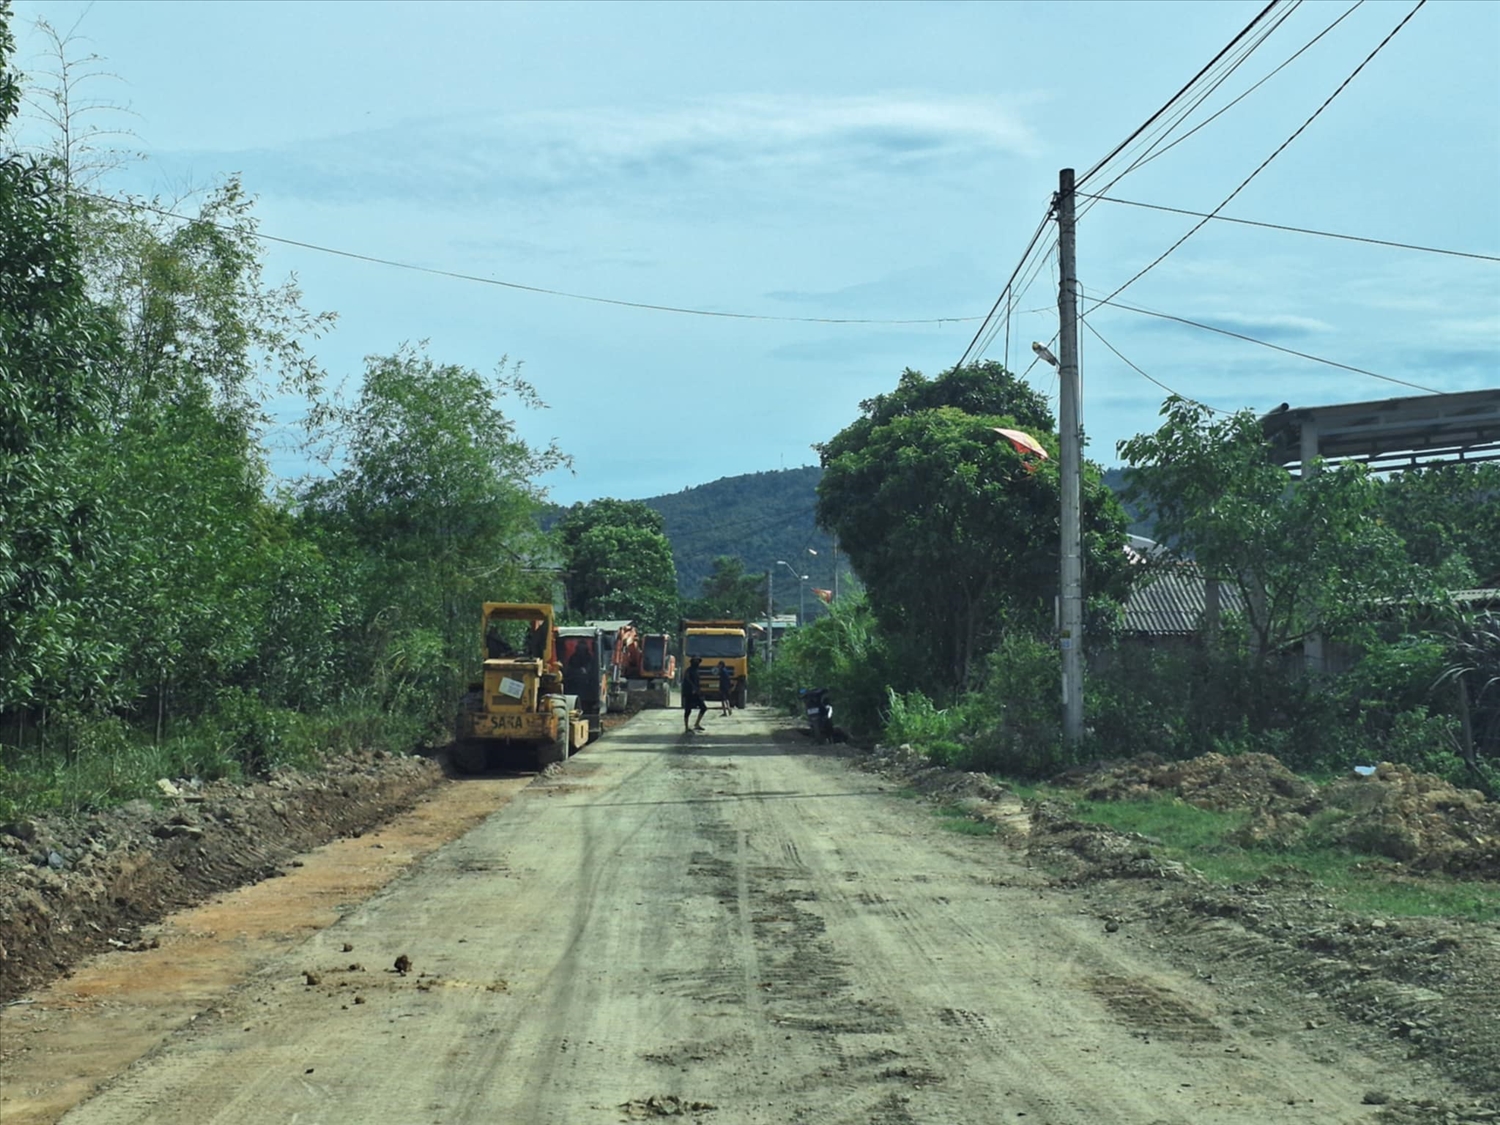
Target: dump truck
{"x":584,"y":656}
{"x":520,"y":700}
{"x":713,"y":641}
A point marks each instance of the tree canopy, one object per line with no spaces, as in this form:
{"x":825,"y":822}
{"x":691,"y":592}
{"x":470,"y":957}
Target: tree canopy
{"x":618,"y":563}
{"x":1311,"y":554}
{"x":728,"y":592}
{"x":954,"y":533}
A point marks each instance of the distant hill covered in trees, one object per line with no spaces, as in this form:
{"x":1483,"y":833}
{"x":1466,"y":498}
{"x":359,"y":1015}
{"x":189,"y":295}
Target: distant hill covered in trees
{"x":760,"y":518}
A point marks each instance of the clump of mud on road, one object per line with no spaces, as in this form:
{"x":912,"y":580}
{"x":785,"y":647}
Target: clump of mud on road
{"x":75,"y":885}
{"x":1425,"y":987}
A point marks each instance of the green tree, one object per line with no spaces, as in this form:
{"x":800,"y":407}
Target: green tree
{"x":729,"y":593}
{"x":432,"y":514}
{"x":618,"y":562}
{"x":55,"y":345}
{"x":953,"y":533}
{"x":1449,"y":517}
{"x":1307,"y":555}
{"x":625,"y":573}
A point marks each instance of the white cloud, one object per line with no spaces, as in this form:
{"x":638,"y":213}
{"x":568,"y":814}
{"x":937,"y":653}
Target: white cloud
{"x":607,"y":152}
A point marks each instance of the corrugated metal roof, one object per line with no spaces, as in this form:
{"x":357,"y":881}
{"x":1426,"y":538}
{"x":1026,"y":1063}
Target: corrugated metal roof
{"x":1170,"y":602}
{"x":1488,"y":596}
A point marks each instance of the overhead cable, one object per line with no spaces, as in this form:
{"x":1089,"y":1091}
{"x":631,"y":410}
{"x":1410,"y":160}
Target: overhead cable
{"x":1266,"y":162}
{"x":1173,"y":99}
{"x":1150,"y":378}
{"x":1151,"y":145}
{"x":1265,"y":344}
{"x":1147,"y":159}
{"x":1035,"y":237}
{"x":1299,"y":230}
{"x":516,"y":285}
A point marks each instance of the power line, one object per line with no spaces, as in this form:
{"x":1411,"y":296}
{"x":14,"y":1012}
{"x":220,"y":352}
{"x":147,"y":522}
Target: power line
{"x":1007,"y":294}
{"x":1265,"y":344}
{"x":1173,"y":99}
{"x":1035,"y":237}
{"x":1290,"y":59}
{"x":1150,"y":378}
{"x":1149,"y":145}
{"x":516,"y":285}
{"x":1012,"y":297}
{"x":1266,"y":162}
{"x":1299,"y":230}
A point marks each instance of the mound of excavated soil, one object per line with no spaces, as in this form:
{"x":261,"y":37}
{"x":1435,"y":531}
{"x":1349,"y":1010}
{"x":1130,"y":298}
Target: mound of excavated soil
{"x":74,"y":885}
{"x":1213,"y":781}
{"x":1417,"y":819}
{"x":1421,"y":820}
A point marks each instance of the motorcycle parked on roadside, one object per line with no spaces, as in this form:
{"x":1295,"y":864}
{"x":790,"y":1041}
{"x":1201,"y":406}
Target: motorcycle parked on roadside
{"x":818,"y":706}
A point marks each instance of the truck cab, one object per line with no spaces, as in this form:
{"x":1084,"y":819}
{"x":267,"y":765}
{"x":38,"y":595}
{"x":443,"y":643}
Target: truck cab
{"x":519,"y":699}
{"x":714,"y":642}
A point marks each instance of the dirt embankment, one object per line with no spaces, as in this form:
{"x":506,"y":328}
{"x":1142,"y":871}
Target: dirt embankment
{"x":1430,"y":984}
{"x":75,"y":885}
{"x":1417,"y":820}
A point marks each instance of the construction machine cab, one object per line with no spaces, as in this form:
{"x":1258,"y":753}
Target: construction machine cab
{"x":519,"y":698}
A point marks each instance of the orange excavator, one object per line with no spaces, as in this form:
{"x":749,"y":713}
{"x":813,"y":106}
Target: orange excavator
{"x":642,"y":666}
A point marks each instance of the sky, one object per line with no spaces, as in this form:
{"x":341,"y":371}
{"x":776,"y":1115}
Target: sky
{"x":855,"y":161}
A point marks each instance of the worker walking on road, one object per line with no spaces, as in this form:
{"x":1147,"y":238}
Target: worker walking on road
{"x":692,"y":694}
{"x":726,"y":686}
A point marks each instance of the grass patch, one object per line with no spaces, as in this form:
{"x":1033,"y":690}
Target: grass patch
{"x":97,"y":763}
{"x":1203,"y":839}
{"x":1027,"y":791}
{"x":955,"y":819}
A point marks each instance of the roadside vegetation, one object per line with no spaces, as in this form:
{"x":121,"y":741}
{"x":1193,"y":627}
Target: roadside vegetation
{"x":950,"y":651}
{"x":951,"y":648}
{"x":166,"y":609}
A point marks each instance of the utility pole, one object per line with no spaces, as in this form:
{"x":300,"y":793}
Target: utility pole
{"x":770,"y":611}
{"x":1070,"y":437}
{"x":835,"y":567}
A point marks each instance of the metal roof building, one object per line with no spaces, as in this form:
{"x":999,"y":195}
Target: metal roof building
{"x":1171,"y":601}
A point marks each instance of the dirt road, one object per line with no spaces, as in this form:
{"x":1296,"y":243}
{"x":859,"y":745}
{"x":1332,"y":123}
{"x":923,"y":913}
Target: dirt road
{"x":736,"y":929}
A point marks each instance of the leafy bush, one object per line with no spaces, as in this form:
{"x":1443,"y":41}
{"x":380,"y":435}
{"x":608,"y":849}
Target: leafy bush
{"x":844,"y":653}
{"x":1008,"y":724}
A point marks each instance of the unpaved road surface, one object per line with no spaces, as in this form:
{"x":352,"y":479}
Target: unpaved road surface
{"x":730,"y":928}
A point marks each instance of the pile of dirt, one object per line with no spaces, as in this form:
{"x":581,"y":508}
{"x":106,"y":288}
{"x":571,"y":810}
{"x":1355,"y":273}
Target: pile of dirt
{"x":1420,"y":821}
{"x":1213,"y":781}
{"x":916,"y":770}
{"x":1079,"y":851}
{"x":1423,"y":987}
{"x":75,"y":885}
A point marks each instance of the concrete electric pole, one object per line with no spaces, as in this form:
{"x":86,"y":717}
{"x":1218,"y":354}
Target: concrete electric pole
{"x":770,"y":610}
{"x":1070,"y":440}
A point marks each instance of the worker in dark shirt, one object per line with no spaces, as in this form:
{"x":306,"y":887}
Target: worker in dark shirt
{"x":726,"y":687}
{"x":692,"y":694}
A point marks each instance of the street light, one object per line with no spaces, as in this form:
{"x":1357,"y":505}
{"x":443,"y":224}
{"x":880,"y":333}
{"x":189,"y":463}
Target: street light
{"x":801,"y":578}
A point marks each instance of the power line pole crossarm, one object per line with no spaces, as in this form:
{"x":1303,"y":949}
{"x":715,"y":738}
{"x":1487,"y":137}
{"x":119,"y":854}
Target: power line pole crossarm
{"x":1070,"y":437}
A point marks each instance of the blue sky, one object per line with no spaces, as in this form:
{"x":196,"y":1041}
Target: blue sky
{"x":876,"y":161}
